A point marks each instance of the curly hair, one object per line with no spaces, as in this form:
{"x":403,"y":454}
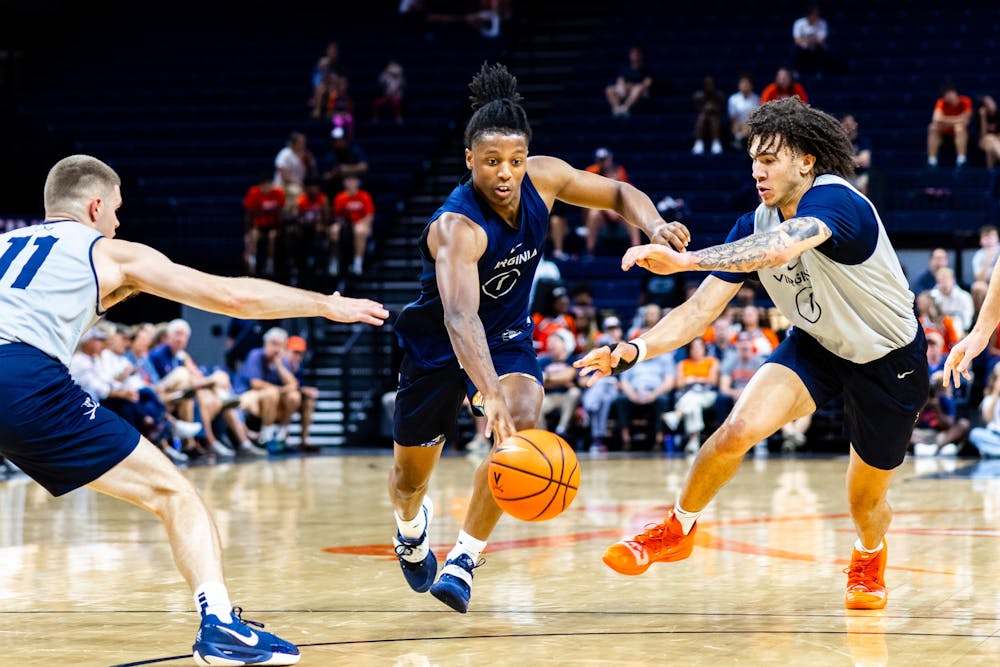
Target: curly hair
{"x":805,"y":130}
{"x":497,"y":105}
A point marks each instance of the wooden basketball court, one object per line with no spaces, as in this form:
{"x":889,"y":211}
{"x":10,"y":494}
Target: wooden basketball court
{"x":89,"y":581}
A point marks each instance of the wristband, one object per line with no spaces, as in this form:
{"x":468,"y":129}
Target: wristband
{"x":640,"y":354}
{"x":640,"y":346}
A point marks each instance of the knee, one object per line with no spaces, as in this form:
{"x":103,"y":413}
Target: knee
{"x":735,"y":437}
{"x":407,"y":485}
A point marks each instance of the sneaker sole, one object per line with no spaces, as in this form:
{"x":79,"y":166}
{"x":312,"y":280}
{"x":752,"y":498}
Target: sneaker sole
{"x":863,"y":604}
{"x":642,"y":568}
{"x":445,"y":596}
{"x":215,"y":660}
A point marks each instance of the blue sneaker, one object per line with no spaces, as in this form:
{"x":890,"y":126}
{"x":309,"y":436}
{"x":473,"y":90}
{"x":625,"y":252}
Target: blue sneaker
{"x":415,"y":556}
{"x":235,"y":643}
{"x":454,"y":588}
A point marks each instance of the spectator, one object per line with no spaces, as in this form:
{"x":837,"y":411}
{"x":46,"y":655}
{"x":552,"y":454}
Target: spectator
{"x":241,"y":337}
{"x":646,"y":385}
{"x":809,"y":34}
{"x":933,"y":321}
{"x":553,"y":314}
{"x":333,"y":102}
{"x":708,"y":102}
{"x":783,"y":86}
{"x":735,"y":372}
{"x":938,"y":430}
{"x":292,"y":166}
{"x":328,"y":63}
{"x":949,"y":120}
{"x":588,"y":325}
{"x":559,"y":378}
{"x":353,"y":206}
{"x":697,"y":385}
{"x":213,"y":391}
{"x":594,"y":218}
{"x":392,"y":82}
{"x":987,"y":439}
{"x":263,"y":204}
{"x":294,"y":356}
{"x":764,"y":338}
{"x":646,"y":316}
{"x":983,"y":261}
{"x":598,"y":399}
{"x":989,"y":133}
{"x":310,"y":236}
{"x":634,"y":83}
{"x":720,"y":339}
{"x":739,"y":106}
{"x":862,"y":153}
{"x":926,"y":281}
{"x":269,"y":390}
{"x":953,"y":300}
{"x":346,"y":158}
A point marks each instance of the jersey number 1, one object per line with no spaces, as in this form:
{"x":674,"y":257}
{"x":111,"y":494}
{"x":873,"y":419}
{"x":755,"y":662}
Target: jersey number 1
{"x":43,"y":246}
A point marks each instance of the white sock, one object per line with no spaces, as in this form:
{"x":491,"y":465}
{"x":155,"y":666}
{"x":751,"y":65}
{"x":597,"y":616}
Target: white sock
{"x":932,"y":161}
{"x":268,"y":432}
{"x":357,"y":264}
{"x":960,"y":160}
{"x":414,"y":527}
{"x":686,"y":518}
{"x":862,"y":548}
{"x":213,"y":598}
{"x":467,"y":544}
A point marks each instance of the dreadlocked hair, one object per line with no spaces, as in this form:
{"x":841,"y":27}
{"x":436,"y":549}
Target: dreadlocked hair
{"x":805,"y":130}
{"x":497,"y":105}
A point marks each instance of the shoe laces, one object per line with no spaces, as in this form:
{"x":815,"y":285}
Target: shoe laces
{"x":238,"y":615}
{"x":862,"y":572}
{"x":651,"y":535}
{"x":407,"y":545}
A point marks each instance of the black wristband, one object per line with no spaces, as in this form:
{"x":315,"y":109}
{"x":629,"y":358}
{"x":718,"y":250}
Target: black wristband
{"x":625,"y":365}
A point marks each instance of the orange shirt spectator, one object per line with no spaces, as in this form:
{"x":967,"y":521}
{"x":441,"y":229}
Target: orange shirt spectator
{"x":263,"y":204}
{"x":782,"y":87}
{"x":311,"y":207}
{"x":704,"y":371}
{"x":953,"y":108}
{"x":353,"y":207}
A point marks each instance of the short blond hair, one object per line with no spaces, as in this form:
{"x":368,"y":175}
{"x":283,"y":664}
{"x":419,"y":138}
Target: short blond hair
{"x":77,"y":177}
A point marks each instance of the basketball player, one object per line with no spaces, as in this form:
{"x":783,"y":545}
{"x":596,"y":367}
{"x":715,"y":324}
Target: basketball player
{"x":56,"y":279}
{"x":469,"y":332}
{"x":821,"y":252}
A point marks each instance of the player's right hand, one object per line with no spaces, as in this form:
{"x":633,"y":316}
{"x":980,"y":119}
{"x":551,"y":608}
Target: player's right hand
{"x":499,"y":422}
{"x":346,"y":309}
{"x":956,"y":366}
{"x":674,"y":234}
{"x":655,"y":258}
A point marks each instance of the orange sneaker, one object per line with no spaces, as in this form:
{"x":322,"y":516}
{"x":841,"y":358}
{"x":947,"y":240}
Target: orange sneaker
{"x":658,"y":542}
{"x":866,"y":580}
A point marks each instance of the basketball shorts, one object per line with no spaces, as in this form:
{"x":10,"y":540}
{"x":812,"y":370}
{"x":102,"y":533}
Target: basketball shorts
{"x":882,"y":398}
{"x":53,"y":430}
{"x":428,"y":400}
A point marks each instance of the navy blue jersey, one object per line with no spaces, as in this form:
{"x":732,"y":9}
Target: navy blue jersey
{"x":506,"y":270}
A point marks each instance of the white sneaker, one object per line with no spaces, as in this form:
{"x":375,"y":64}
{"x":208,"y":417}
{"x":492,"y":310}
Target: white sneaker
{"x":185,"y":430}
{"x":672,"y":420}
{"x":221,"y":449}
{"x":716,"y":147}
{"x":692,"y":446}
{"x":175,"y":455}
{"x":948,"y":449}
{"x":698,"y":148}
{"x":252,"y":449}
{"x":333,"y":268}
{"x":924,"y":449}
{"x":760,"y":450}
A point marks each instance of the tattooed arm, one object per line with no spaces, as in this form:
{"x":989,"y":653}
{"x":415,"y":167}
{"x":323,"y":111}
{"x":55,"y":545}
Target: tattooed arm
{"x":757,"y":251}
{"x":457,"y":243}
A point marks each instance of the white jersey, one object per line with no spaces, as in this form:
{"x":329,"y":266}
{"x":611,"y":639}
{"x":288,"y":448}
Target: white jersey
{"x":48,"y":286}
{"x":860,"y":309}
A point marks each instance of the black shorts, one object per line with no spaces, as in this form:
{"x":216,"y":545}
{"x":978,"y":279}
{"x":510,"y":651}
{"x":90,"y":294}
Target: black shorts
{"x":428,"y":400}
{"x":882,"y":398}
{"x":50,"y":428}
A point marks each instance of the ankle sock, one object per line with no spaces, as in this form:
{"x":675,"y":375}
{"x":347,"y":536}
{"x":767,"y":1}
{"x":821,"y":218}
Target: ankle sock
{"x":686,"y":518}
{"x":467,"y":544}
{"x":860,"y":547}
{"x":213,"y":598}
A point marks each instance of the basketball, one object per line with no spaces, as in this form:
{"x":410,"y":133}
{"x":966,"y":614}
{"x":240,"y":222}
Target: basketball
{"x":534,"y":475}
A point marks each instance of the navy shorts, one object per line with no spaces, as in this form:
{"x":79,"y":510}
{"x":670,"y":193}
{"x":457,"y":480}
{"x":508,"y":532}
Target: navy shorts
{"x":52,"y":429}
{"x":882,"y":398}
{"x":428,"y":400}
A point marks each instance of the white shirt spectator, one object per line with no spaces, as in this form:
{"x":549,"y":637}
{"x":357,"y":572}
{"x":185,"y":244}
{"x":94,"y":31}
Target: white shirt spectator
{"x":958,"y":304}
{"x":293,"y":165}
{"x":740,"y":106}
{"x":814,"y":32}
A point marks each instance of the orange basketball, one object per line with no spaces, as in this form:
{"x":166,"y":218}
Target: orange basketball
{"x":534,"y":475}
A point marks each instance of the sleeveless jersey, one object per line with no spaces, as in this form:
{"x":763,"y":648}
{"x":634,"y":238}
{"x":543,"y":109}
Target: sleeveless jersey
{"x":48,"y":286}
{"x":849,"y":293}
{"x":505,"y":273}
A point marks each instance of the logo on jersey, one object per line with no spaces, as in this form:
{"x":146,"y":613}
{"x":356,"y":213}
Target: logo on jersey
{"x":805,"y":303}
{"x":90,"y":407}
{"x":501,"y":284}
{"x":519,"y":258}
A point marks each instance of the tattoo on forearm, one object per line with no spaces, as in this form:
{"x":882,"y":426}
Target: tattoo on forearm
{"x":759,"y":251}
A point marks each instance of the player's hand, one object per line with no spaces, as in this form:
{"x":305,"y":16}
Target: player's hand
{"x":655,"y":258}
{"x":956,"y":366}
{"x":600,"y":361}
{"x":499,"y":422}
{"x":674,"y":234}
{"x":346,"y":309}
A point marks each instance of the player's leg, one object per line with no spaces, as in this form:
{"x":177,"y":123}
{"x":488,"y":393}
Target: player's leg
{"x":775,"y":395}
{"x":523,"y":393}
{"x":867,"y":488}
{"x":148,"y":480}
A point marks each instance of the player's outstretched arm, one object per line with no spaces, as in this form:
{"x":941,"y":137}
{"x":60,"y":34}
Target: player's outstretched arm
{"x":583,"y":188}
{"x":956,"y":366}
{"x":125,"y":268}
{"x":677,"y":328}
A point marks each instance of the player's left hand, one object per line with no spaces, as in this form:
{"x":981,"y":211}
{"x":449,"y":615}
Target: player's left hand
{"x":956,"y":366}
{"x":655,"y":258}
{"x":346,"y":309}
{"x":674,"y":234}
{"x":601,"y":361}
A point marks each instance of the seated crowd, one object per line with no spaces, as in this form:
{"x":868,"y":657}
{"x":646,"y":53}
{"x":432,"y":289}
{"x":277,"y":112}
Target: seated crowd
{"x":145,"y":374}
